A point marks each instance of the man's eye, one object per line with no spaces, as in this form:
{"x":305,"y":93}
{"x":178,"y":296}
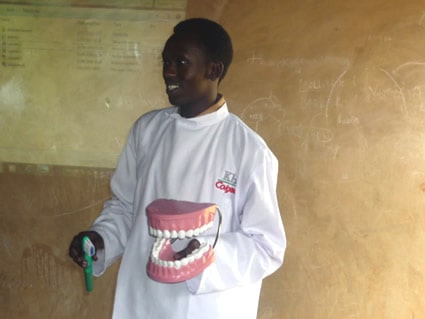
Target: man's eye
{"x":182,"y":62}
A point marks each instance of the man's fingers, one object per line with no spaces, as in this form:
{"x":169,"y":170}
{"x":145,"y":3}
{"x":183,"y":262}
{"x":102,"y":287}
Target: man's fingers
{"x":193,"y":244}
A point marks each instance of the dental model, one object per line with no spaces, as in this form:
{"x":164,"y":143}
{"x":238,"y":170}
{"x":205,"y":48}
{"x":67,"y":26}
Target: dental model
{"x":170,"y":220}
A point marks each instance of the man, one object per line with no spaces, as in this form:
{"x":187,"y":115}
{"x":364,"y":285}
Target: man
{"x":195,"y":151}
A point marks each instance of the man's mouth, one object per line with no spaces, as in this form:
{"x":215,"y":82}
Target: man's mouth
{"x":172,"y":87}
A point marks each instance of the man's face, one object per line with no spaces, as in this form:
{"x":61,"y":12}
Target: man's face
{"x":186,"y":75}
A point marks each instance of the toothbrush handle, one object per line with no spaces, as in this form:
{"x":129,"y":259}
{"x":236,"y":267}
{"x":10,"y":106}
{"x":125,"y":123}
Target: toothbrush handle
{"x":88,"y":274}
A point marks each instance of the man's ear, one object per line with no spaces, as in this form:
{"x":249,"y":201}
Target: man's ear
{"x":215,"y":71}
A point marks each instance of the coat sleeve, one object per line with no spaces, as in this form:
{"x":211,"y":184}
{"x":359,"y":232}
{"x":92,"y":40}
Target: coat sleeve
{"x":114,"y":223}
{"x":256,"y":249}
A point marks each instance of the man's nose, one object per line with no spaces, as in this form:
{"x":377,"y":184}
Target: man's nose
{"x":169,"y":69}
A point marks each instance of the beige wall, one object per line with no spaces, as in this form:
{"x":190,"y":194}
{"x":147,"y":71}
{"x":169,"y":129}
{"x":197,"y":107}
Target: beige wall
{"x":337,"y":89}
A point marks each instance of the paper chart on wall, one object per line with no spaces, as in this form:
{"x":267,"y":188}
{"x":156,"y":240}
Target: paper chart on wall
{"x":73,"y":78}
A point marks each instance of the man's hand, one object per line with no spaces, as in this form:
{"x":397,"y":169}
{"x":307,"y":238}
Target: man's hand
{"x":76,"y":249}
{"x":193,"y":244}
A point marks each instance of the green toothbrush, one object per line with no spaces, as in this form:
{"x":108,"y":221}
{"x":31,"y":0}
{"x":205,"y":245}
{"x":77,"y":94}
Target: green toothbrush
{"x":89,"y":252}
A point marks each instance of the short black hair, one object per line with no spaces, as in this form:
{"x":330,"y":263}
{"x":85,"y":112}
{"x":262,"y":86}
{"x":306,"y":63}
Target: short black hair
{"x":213,"y":37}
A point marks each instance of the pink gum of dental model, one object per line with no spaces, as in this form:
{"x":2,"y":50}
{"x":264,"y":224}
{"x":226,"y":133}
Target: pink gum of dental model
{"x":169,"y":214}
{"x":173,"y":215}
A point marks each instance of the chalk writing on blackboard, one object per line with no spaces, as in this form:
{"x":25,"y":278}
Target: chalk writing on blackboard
{"x":297,"y":63}
{"x":331,"y":93}
{"x":348,"y":119}
{"x":403,"y":107}
{"x":264,"y":109}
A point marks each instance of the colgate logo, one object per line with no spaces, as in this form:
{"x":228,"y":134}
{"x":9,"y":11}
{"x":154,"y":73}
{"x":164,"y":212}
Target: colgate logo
{"x":224,"y":187}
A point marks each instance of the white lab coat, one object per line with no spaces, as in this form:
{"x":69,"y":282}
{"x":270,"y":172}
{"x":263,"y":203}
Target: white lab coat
{"x":214,"y":158}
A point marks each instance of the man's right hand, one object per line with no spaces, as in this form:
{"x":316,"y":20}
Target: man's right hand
{"x":76,"y":249}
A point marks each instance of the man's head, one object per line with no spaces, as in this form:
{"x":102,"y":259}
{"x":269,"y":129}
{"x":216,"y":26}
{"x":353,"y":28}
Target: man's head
{"x":195,"y":59}
{"x":214,"y":38}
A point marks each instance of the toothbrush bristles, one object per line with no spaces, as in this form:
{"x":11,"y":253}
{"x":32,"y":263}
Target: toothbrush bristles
{"x":89,"y":247}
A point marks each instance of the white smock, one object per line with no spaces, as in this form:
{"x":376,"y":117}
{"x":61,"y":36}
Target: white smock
{"x":214,"y":158}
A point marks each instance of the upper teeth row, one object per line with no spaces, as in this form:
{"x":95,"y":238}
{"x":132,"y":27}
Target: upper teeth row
{"x":172,"y":86}
{"x":179,"y":234}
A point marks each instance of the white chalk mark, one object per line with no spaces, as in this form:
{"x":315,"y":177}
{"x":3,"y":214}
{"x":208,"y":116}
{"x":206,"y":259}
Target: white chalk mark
{"x":262,"y":109}
{"x":332,"y":92}
{"x":79,"y":210}
{"x":408,"y":64}
{"x":255,"y":58}
{"x":403,"y":106}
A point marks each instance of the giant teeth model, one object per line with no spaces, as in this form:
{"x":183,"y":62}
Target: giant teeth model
{"x":171,"y":220}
